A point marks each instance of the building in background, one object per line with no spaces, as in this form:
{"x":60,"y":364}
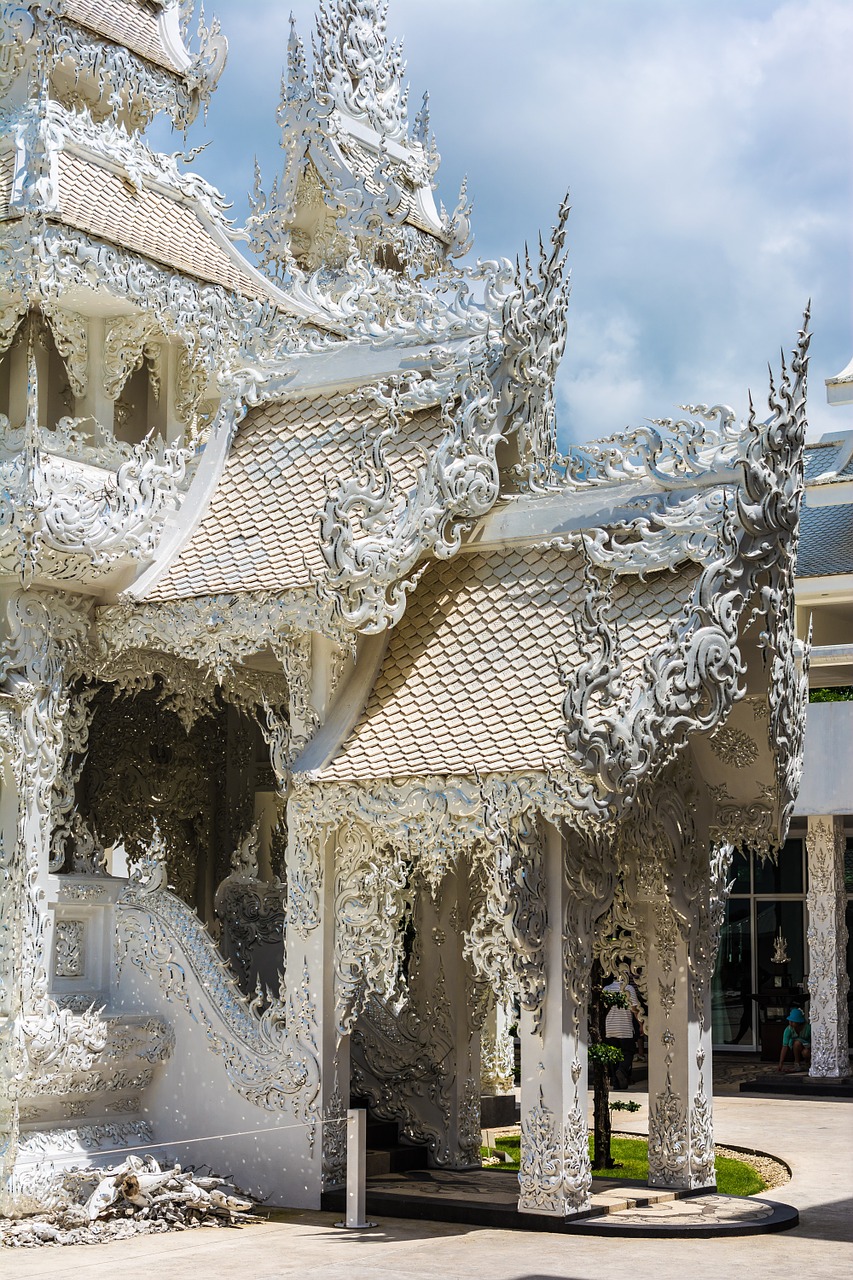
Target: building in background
{"x":788,"y":928}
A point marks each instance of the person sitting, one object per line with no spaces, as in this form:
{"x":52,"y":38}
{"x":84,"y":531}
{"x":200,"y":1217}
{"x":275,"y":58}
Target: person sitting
{"x":797,"y":1037}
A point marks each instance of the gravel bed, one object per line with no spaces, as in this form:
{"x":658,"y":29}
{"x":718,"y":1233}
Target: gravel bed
{"x":774,"y":1172}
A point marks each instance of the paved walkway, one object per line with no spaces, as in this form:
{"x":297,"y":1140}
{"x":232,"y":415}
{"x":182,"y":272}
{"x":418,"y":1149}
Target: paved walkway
{"x":815,"y":1139}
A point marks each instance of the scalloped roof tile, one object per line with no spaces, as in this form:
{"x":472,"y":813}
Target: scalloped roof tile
{"x":97,"y":201}
{"x":261,"y":532}
{"x":826,"y":541}
{"x":470,"y":678}
{"x":131,"y":23}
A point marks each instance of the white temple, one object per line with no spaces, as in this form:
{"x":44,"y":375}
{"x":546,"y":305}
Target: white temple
{"x":338,"y":710}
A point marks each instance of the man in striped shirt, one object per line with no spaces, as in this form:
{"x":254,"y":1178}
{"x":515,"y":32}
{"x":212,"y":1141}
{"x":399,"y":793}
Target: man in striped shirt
{"x":619,"y":1031}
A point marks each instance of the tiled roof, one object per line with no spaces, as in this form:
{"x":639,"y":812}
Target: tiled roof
{"x":826,"y":541}
{"x":819,"y":458}
{"x":363,"y":163}
{"x":470,"y":679}
{"x":260,"y":532}
{"x":131,"y":23}
{"x":96,"y":200}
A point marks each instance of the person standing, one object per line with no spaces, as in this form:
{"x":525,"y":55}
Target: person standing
{"x":619,"y":1031}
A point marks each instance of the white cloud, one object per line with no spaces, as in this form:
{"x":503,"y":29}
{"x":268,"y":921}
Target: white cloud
{"x":707,"y":148}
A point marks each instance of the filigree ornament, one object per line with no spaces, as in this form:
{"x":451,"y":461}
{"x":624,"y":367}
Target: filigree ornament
{"x":370,"y":903}
{"x":827,"y":939}
{"x":128,"y":86}
{"x":554,"y":1176}
{"x":268,"y":1046}
{"x":613,"y":735}
{"x":373,"y":537}
{"x":506,"y":939}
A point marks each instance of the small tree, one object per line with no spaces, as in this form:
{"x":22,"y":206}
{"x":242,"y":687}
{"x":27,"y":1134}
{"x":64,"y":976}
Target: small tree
{"x":602,"y":1057}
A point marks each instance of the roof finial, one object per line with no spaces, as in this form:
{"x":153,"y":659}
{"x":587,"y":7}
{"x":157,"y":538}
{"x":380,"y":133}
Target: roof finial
{"x":296,"y":85}
{"x":356,"y":68}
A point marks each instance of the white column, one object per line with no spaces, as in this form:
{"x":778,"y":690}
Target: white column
{"x":827,"y":939}
{"x":440,"y":924}
{"x":555,"y":1176}
{"x":96,"y":403}
{"x":681,"y":1145}
{"x":497,"y":1067}
{"x":310,"y":978}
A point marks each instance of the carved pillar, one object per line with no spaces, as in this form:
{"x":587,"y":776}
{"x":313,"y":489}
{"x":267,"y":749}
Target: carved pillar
{"x":497,"y":1069}
{"x":442,"y":964}
{"x":681,"y":1152}
{"x":555,"y":1174}
{"x":310,"y":983}
{"x":95,"y":403}
{"x":679,"y":884}
{"x":827,"y":938}
{"x":42,"y":634}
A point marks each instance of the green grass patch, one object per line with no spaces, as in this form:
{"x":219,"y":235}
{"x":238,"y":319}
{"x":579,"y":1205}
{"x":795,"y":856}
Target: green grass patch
{"x":734,"y":1178}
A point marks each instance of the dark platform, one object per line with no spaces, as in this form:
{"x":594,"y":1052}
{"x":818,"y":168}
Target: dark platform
{"x":798,"y":1085}
{"x":489,"y":1198}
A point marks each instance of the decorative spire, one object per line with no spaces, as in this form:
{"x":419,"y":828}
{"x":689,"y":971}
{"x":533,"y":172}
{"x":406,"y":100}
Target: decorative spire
{"x":295,"y":85}
{"x":534,"y":334}
{"x":421,"y":133}
{"x":458,"y":226}
{"x":355,"y":67}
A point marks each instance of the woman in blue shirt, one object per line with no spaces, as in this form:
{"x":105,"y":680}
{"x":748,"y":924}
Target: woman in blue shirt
{"x":797,"y":1037}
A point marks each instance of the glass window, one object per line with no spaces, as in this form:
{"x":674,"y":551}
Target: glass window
{"x":771,"y":919}
{"x":785,"y":875}
{"x":731,"y":998}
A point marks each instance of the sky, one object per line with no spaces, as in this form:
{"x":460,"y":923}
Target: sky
{"x":706,"y":148}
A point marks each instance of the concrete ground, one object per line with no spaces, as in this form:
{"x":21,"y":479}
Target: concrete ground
{"x":815,"y":1138}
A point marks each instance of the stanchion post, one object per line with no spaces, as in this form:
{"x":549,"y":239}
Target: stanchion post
{"x":356,"y":1219}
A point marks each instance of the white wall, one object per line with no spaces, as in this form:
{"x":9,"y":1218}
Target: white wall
{"x":827,"y":785}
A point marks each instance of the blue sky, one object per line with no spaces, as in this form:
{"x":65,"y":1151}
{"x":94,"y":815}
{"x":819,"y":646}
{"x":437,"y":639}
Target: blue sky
{"x":707,"y":148}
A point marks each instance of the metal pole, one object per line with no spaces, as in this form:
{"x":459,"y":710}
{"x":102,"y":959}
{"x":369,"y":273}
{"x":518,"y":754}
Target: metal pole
{"x":356,"y":1219}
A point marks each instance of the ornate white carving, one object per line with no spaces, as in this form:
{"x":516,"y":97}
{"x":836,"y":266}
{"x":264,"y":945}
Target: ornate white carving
{"x":69,"y":956}
{"x":57,"y":511}
{"x":219,"y":632}
{"x":71,"y":335}
{"x":669,"y":1139}
{"x":554,"y":1174}
{"x":506,"y":939}
{"x":16,"y":30}
{"x":534,"y":337}
{"x":827,"y":939}
{"x":252,"y":911}
{"x":128,"y":85}
{"x":356,"y":70}
{"x":373,"y":539}
{"x":497,"y":1058}
{"x":734,"y":747}
{"x":268,"y":1046}
{"x":613,"y":735}
{"x":370,"y":902}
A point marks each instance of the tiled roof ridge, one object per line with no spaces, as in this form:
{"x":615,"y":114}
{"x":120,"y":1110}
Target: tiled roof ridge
{"x":103,"y":18}
{"x":97,"y":198}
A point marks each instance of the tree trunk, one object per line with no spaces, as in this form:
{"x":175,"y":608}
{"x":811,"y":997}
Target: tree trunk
{"x":601,"y":1158}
